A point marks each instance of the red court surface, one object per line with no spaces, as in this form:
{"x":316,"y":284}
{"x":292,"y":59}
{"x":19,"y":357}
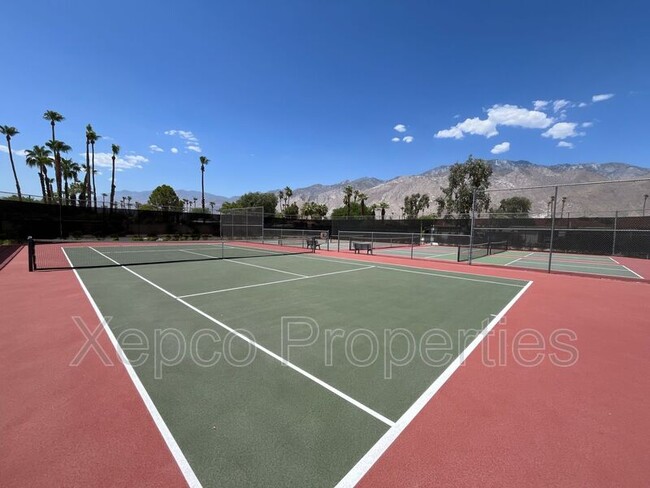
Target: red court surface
{"x":505,"y":425}
{"x":63,"y":425}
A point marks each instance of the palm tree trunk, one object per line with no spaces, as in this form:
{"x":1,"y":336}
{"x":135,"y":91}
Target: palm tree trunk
{"x":58,"y":174}
{"x":42,"y":178}
{"x":46,"y":180}
{"x":92,"y":174}
{"x":67,"y":192}
{"x":110,"y":208}
{"x":203,"y":188}
{"x":13,"y":167}
{"x":57,"y":166}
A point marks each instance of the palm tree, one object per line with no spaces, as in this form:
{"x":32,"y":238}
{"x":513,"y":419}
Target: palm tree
{"x":348,"y":191}
{"x":116,"y":150}
{"x":204,"y":162}
{"x":10,"y":132}
{"x":288,"y":193}
{"x":39,"y":157}
{"x":281,"y":199}
{"x":55,"y":117}
{"x":195,"y":199}
{"x":212,"y":204}
{"x":128,"y":199}
{"x":70,"y":171}
{"x":362,"y":197}
{"x":50,"y":183}
{"x":383,"y":206}
{"x":57,"y":148}
{"x":104,"y":195}
{"x":356,"y":195}
{"x":76,"y":188}
{"x":93,"y":138}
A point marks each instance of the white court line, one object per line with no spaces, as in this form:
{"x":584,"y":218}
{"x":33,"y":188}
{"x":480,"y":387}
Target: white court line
{"x":632,"y":271}
{"x":248,"y":264}
{"x":172,"y":445}
{"x":451,"y":277}
{"x":557,"y":266}
{"x":297,"y":369}
{"x":413,"y":269}
{"x":257,"y":285}
{"x":613,"y":259}
{"x":518,"y":259}
{"x":155,"y":249}
{"x":438,"y":255}
{"x":371,"y":457}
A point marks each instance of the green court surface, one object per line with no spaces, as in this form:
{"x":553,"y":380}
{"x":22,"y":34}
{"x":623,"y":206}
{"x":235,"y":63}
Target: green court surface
{"x":568,"y":263}
{"x":206,"y":341}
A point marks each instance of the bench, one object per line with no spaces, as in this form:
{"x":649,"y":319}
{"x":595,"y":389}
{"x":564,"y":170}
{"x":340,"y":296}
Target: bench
{"x":312,"y":243}
{"x":362,"y":246}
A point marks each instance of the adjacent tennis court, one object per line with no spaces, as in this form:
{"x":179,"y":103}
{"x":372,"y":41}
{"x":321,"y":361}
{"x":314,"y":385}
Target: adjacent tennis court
{"x":283,"y":369}
{"x":568,"y":263}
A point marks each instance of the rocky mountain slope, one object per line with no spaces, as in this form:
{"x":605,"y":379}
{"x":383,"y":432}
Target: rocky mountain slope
{"x":580,"y":200}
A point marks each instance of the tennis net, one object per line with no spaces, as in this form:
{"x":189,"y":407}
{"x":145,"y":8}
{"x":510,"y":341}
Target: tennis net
{"x":481,"y":250}
{"x":61,"y":254}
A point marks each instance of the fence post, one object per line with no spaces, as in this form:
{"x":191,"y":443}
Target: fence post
{"x":550,"y":251}
{"x":412,"y":244}
{"x":471,"y":232}
{"x":614,"y":238}
{"x":30,"y":253}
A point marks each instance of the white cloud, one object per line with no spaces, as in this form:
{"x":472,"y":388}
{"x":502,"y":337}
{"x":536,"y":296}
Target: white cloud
{"x":190,"y":140}
{"x":16,"y":152}
{"x":400,"y":128}
{"x":601,"y":98}
{"x":408,"y":139}
{"x":568,"y":145}
{"x":507,"y":115}
{"x":183,"y":134}
{"x":586,"y":124}
{"x":501,"y":148}
{"x":454,"y":132}
{"x":540,"y":104}
{"x":155,"y":148}
{"x":129,"y":161}
{"x":514,"y":116}
{"x":395,"y":139}
{"x":582,"y":105}
{"x":560,"y":104}
{"x":562,"y":130}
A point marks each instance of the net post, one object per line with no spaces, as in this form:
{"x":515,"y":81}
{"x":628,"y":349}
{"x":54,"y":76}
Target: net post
{"x":614,"y":236}
{"x":471,"y":232}
{"x":30,"y":254}
{"x":550,"y":250}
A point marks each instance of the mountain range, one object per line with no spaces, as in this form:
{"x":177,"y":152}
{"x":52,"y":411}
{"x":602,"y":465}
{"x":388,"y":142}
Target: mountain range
{"x":507,"y":175}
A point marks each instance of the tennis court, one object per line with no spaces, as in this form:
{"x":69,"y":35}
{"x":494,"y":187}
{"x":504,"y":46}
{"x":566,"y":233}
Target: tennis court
{"x":284,"y":369}
{"x":568,"y":263}
{"x":411,"y":246}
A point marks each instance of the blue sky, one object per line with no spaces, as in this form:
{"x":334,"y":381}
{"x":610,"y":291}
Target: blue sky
{"x":295,"y":92}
